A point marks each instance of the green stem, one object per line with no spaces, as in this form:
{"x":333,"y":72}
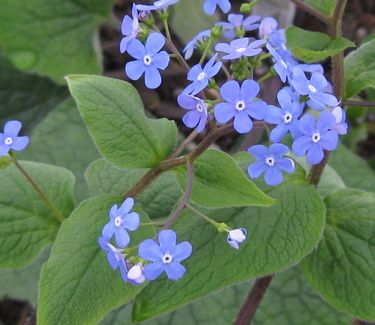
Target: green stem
{"x":203,"y":216}
{"x":56,"y":213}
{"x":206,"y":50}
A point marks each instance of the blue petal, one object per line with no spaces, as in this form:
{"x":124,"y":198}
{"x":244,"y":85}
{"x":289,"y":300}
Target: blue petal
{"x":274,"y":115}
{"x":191,"y":119}
{"x":153,"y":270}
{"x":257,"y":109}
{"x":174,"y":271}
{"x":325,"y":122}
{"x":230,"y":91}
{"x":209,"y":7}
{"x":273,"y":176}
{"x":242,"y":122}
{"x":286,"y":164}
{"x":202,"y":122}
{"x":329,"y":140}
{"x":167,"y":240}
{"x":126,"y":206}
{"x":154,"y":43}
{"x":224,"y":112}
{"x":249,"y":89}
{"x":124,"y":43}
{"x":278,"y":150}
{"x":223,"y":47}
{"x":152,"y":77}
{"x":20,"y":143}
{"x":113,"y":213}
{"x":301,"y":145}
{"x":150,"y":251}
{"x":122,"y":237}
{"x":224,"y":5}
{"x":134,"y":69}
{"x":161,"y":60}
{"x":307,"y":124}
{"x":194,"y":72}
{"x":131,"y":221}
{"x":211,"y":72}
{"x":259,"y":151}
{"x":256,"y":169}
{"x":278,"y":133}
{"x":136,"y":49}
{"x":182,"y":251}
{"x":318,"y":81}
{"x":315,"y":154}
{"x":127,"y":26}
{"x":186,"y":101}
{"x":108,"y":230}
{"x":12,"y":128}
{"x":284,"y":98}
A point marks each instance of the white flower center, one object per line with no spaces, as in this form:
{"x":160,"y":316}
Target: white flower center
{"x":240,"y":105}
{"x":316,"y":137}
{"x":118,"y":221}
{"x":241,"y":50}
{"x":270,"y":161}
{"x":200,"y":108}
{"x":8,"y":141}
{"x":288,"y":118}
{"x":282,"y":62}
{"x":312,"y":89}
{"x":147,"y":60}
{"x":201,"y":76}
{"x":167,"y":258}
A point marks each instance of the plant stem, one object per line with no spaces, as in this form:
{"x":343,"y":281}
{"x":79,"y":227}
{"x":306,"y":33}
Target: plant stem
{"x":200,"y":214}
{"x":359,"y":103}
{"x":184,"y":144}
{"x":316,"y":13}
{"x":56,"y":213}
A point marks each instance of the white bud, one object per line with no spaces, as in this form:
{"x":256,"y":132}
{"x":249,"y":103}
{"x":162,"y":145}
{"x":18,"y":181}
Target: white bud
{"x":135,"y":274}
{"x":236,"y":237}
{"x":267,"y":26}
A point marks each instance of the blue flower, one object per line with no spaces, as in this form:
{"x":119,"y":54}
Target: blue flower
{"x":149,"y":60}
{"x":341,"y":127}
{"x":158,"y":5}
{"x":316,"y":137}
{"x":240,"y":47}
{"x":286,"y":117}
{"x":240,"y":104}
{"x":236,"y":237}
{"x":130,"y":29}
{"x":165,"y":257}
{"x":267,"y":26}
{"x":200,"y":76}
{"x":270,"y":162}
{"x":9,"y":140}
{"x":114,"y":256}
{"x":283,"y":63}
{"x":197,"y":111}
{"x":237,"y":22}
{"x":209,"y":6}
{"x":120,"y":220}
{"x":189,"y":48}
{"x":314,"y":88}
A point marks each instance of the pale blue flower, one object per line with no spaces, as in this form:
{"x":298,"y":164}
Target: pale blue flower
{"x":130,"y":29}
{"x":239,"y":48}
{"x":9,"y":139}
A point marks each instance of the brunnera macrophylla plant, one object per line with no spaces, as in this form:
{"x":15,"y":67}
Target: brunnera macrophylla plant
{"x":240,"y":217}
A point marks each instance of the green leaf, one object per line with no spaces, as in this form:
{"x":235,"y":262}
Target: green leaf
{"x":327,"y":7}
{"x":278,"y":237}
{"x":219,"y":182}
{"x":113,"y":112}
{"x":342,"y":267}
{"x":22,"y":284}
{"x":360,"y":69}
{"x":77,"y":285}
{"x":313,"y":46}
{"x":26,"y":97}
{"x":355,"y":171}
{"x":26,"y":223}
{"x":188,"y":20}
{"x":53,"y":38}
{"x":157,"y":200}
{"x":62,"y":139}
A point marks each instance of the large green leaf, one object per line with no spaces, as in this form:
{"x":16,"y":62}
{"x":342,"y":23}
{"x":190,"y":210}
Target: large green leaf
{"x":113,"y":112}
{"x":26,"y":97}
{"x":219,"y":182}
{"x":62,"y":139}
{"x":157,"y":200}
{"x":342,"y":267}
{"x":327,"y":7}
{"x":52,"y":38}
{"x":26,"y":223}
{"x":360,"y":69}
{"x":313,"y":46}
{"x":77,"y":285}
{"x":278,"y":237}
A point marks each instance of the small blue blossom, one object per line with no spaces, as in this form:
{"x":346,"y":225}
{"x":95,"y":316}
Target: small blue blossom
{"x":130,"y":29}
{"x":9,"y":140}
{"x":270,"y":162}
{"x":200,"y":76}
{"x":278,"y":39}
{"x":114,"y":256}
{"x":120,"y":220}
{"x":267,"y":26}
{"x":314,"y":88}
{"x":316,"y":137}
{"x":283,"y":63}
{"x":240,"y":47}
{"x":165,"y":257}
{"x":197,"y":111}
{"x":149,"y":60}
{"x":237,"y":22}
{"x":236,"y":237}
{"x":240,"y":104}
{"x":209,"y":6}
{"x":286,"y":117}
{"x":341,"y":127}
{"x":201,"y":37}
{"x":158,"y":5}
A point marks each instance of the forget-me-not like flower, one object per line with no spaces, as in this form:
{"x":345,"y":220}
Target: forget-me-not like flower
{"x":236,"y":237}
{"x":209,"y":6}
{"x":286,"y":117}
{"x":165,"y":257}
{"x":158,"y":5}
{"x":197,"y":111}
{"x":237,"y":22}
{"x":267,"y":26}
{"x":316,"y":137}
{"x":283,"y":64}
{"x":121,"y":220}
{"x":130,"y":29}
{"x":341,"y":126}
{"x":314,"y":88}
{"x":271,"y":162}
{"x":189,"y":48}
{"x":240,"y":105}
{"x":149,"y":59}
{"x":200,"y":76}
{"x":9,"y":139}
{"x":240,"y":47}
